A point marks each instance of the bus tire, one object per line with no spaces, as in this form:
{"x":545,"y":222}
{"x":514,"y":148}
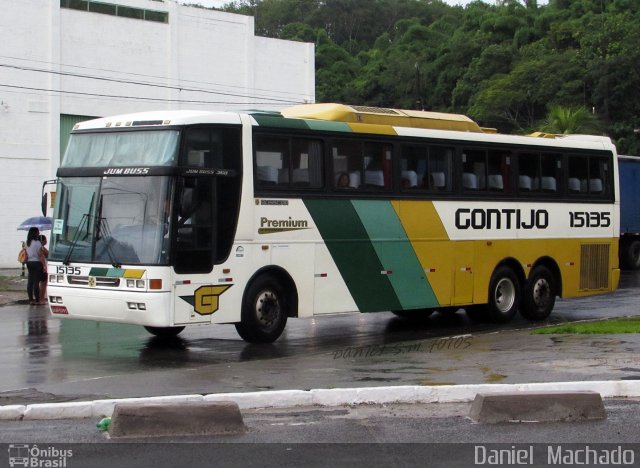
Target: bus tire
{"x":264,"y":311}
{"x":539,"y":295}
{"x":631,"y":254}
{"x":504,"y":295}
{"x":164,"y":332}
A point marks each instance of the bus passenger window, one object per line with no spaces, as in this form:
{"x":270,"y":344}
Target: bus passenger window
{"x":578,"y":175}
{"x":307,"y":163}
{"x":377,"y":165}
{"x":538,"y":172}
{"x":347,"y":160}
{"x":272,"y":161}
{"x":426,"y":168}
{"x":211,"y":148}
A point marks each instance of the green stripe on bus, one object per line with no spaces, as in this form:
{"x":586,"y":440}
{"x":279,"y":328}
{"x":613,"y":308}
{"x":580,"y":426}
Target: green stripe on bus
{"x":279,"y":121}
{"x":95,"y":271}
{"x":322,"y":125}
{"x":394,"y":250}
{"x":354,"y":255}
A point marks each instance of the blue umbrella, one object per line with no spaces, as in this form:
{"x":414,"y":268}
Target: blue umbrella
{"x":43,"y":223}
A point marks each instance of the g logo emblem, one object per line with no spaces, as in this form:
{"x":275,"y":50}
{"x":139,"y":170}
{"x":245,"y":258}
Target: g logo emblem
{"x":206,"y":298}
{"x":92,"y":281}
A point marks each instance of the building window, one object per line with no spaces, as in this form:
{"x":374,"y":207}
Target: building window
{"x":116,"y":10}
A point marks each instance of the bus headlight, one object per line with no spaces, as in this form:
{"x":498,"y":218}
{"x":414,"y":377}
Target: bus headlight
{"x":56,"y":278}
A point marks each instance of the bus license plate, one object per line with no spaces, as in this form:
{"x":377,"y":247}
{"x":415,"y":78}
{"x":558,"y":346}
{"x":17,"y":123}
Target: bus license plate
{"x":57,"y":309}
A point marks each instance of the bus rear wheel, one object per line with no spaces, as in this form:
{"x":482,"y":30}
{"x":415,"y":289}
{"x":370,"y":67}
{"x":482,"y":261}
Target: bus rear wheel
{"x":264,"y":311}
{"x":164,"y":332}
{"x":539,"y":294}
{"x":504,"y":295}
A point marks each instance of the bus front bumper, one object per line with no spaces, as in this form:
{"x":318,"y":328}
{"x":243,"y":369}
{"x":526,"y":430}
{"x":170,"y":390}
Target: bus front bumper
{"x":141,"y":308}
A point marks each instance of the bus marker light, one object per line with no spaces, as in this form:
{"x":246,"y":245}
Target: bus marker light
{"x":142,"y":306}
{"x":131,"y":306}
{"x":225,"y":280}
{"x":139,"y":283}
{"x":386,"y":272}
{"x":226,"y":270}
{"x":320,"y":275}
{"x":178,"y":283}
{"x":569,"y":264}
{"x":430,"y":270}
{"x":131,"y":283}
{"x":155,"y":283}
{"x":57,"y":309}
{"x":265,"y":247}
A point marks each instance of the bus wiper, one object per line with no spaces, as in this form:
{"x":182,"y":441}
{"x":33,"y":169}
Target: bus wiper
{"x":105,"y":233}
{"x":84,"y":221}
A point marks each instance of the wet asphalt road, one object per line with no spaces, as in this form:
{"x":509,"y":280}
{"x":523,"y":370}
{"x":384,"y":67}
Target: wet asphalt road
{"x":45,"y":359}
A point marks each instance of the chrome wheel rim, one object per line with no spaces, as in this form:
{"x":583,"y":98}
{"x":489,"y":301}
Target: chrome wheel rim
{"x":267,"y":308}
{"x":541,"y":292}
{"x":505,"y":295}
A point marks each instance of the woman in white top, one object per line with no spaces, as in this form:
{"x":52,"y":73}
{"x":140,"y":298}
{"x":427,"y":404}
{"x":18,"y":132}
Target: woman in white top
{"x":35,"y":263}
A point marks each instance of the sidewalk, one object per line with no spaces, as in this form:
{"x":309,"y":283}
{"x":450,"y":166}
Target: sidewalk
{"x":13,"y":286}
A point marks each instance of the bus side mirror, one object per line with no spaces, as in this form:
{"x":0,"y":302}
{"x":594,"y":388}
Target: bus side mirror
{"x":43,"y":204}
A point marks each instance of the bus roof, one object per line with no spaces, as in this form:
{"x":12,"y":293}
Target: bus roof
{"x":384,"y":116}
{"x":357,"y":119}
{"x":159,"y":118}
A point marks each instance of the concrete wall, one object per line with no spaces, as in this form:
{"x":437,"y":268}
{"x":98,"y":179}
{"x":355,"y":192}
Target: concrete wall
{"x":200,"y":59}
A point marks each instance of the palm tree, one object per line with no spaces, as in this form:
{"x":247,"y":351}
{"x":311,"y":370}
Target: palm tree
{"x":565,"y":120}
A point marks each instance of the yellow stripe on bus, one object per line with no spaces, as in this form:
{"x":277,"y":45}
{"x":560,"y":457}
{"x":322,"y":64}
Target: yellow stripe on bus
{"x":430,"y":242}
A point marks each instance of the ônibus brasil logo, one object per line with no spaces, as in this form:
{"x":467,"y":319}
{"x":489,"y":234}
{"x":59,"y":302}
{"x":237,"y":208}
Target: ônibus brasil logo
{"x":41,"y":457}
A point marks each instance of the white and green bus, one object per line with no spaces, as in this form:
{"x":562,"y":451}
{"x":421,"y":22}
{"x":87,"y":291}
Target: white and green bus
{"x":177,"y":218}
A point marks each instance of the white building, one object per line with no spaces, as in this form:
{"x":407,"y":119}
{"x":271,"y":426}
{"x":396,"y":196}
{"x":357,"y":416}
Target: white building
{"x":62,"y":61}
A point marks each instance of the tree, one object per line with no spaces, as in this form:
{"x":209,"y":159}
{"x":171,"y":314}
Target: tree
{"x":566,"y":120}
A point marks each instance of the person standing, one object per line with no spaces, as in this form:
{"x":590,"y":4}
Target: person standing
{"x":35,"y":260}
{"x":44,"y":278}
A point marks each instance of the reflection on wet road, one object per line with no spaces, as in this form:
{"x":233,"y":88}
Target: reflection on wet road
{"x":38,"y":351}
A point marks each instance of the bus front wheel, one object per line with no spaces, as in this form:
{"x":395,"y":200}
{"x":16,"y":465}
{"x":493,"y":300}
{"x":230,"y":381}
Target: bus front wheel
{"x":264,"y":311}
{"x":539,"y":294}
{"x":504,"y":295}
{"x":164,"y":332}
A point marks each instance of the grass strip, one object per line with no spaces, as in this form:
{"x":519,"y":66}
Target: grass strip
{"x":613,"y":326}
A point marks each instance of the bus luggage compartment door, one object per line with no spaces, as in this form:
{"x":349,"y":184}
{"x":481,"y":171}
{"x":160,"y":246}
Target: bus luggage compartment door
{"x":463,"y":274}
{"x":192,"y":304}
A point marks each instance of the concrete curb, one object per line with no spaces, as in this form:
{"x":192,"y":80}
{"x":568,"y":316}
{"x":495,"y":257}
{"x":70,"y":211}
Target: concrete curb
{"x":322,"y":397}
{"x":537,"y":407}
{"x":201,"y":418}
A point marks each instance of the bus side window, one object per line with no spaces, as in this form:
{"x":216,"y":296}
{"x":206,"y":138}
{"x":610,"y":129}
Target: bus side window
{"x":346,"y":159}
{"x":307,"y":163}
{"x":426,"y":168}
{"x":272,"y":161}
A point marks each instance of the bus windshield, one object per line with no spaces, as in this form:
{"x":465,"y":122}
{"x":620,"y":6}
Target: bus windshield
{"x":115,"y":220}
{"x":124,"y":148}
